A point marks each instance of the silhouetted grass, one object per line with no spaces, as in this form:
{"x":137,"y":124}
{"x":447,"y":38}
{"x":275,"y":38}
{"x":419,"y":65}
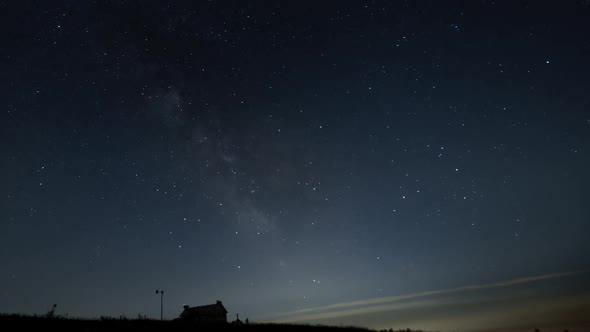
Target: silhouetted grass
{"x":123,"y":324}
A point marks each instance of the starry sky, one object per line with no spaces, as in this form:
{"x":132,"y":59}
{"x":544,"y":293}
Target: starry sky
{"x":416,"y":164}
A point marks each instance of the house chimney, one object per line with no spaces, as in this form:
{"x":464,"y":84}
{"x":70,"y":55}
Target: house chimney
{"x":185,"y":306}
{"x":218,"y":302}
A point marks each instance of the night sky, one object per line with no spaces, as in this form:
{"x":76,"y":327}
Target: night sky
{"x":418,"y":164}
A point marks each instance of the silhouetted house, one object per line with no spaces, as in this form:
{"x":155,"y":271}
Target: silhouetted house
{"x":205,"y":314}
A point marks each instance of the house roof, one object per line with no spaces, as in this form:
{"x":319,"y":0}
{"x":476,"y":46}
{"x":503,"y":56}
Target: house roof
{"x":204,"y":310}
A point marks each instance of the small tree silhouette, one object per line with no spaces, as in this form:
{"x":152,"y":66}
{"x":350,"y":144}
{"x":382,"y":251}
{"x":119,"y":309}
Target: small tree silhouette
{"x":51,"y":312}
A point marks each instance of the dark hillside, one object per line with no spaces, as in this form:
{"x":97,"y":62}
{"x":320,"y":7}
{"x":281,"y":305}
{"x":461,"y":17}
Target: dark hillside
{"x":34,"y":323}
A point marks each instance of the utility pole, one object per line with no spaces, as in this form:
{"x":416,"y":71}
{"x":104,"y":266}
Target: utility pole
{"x":161,"y":292}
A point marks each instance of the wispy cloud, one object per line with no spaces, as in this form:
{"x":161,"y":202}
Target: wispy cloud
{"x":388,"y":303}
{"x":360,"y":311}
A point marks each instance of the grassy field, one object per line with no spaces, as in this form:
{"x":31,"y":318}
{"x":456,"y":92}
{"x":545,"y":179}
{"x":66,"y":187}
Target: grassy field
{"x":61,"y":324}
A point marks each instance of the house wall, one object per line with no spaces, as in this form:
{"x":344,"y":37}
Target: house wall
{"x":211,"y":319}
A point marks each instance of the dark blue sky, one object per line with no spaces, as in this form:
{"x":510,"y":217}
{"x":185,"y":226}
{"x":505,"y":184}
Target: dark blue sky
{"x":293,"y":159}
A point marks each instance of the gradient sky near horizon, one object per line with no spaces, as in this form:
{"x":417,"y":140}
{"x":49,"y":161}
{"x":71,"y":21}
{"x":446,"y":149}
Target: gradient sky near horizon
{"x":416,"y":164}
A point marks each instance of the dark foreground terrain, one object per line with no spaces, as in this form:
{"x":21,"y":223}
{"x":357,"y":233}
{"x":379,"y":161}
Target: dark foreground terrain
{"x":39,"y":324}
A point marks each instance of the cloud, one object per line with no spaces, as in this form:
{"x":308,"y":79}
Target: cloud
{"x":361,"y":311}
{"x":388,"y":303}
